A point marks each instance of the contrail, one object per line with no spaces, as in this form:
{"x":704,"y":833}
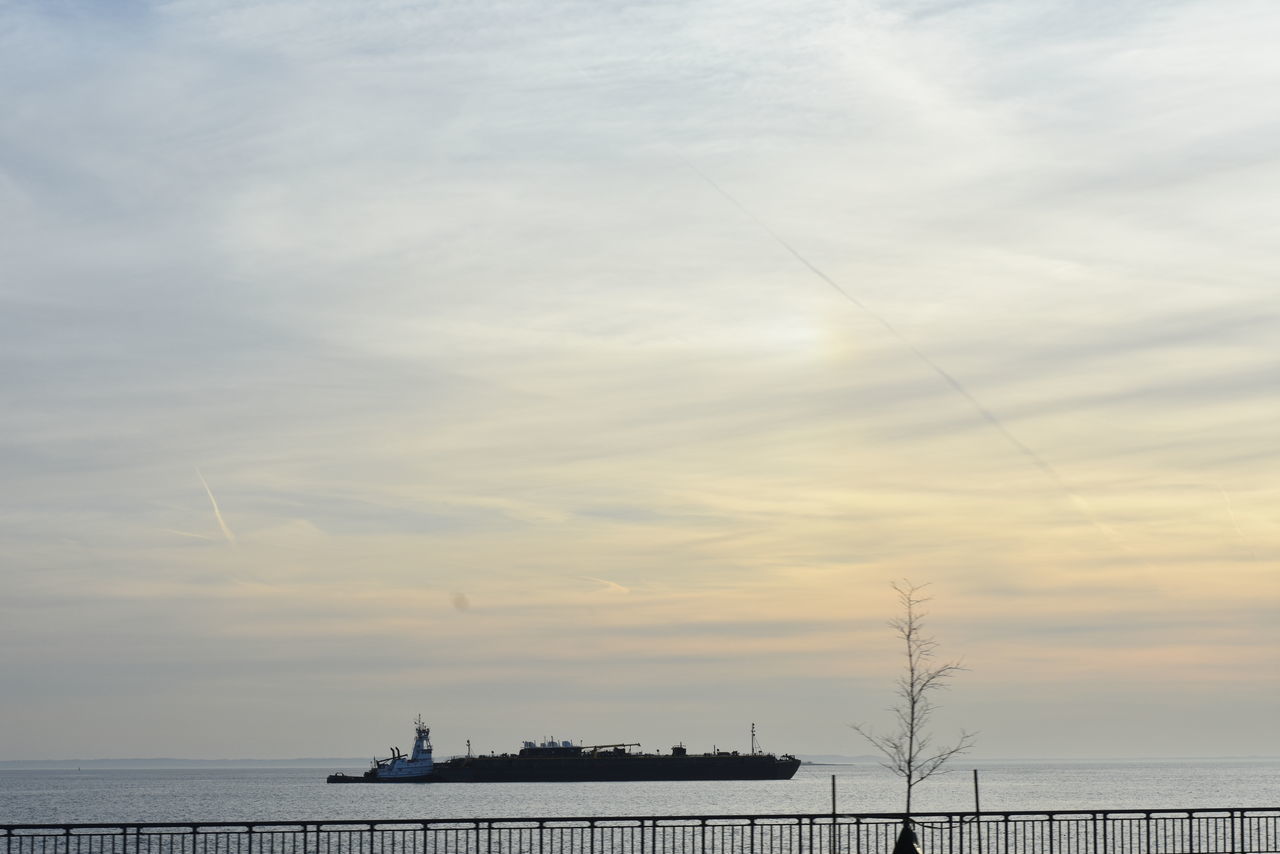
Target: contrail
{"x":186,"y":534}
{"x":226,"y":531}
{"x":987,"y":415}
{"x":1231,"y":511}
{"x":610,"y":585}
{"x":1235,"y":523}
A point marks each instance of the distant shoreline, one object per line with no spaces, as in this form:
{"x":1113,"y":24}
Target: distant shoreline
{"x":160,"y":764}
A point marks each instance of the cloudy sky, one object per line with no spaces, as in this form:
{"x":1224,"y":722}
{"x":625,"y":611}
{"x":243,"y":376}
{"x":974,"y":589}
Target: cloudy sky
{"x":590,"y":369}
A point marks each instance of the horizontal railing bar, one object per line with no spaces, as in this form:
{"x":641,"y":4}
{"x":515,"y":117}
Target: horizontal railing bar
{"x":1230,"y":830}
{"x":622,"y":821}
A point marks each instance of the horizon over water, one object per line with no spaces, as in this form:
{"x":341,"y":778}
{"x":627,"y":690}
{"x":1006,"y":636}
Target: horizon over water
{"x":301,"y":794}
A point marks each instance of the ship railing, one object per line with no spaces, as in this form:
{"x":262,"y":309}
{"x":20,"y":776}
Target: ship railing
{"x":1192,"y":831}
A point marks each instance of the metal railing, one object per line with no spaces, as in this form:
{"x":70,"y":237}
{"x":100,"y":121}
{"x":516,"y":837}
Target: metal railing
{"x":1199,"y":831}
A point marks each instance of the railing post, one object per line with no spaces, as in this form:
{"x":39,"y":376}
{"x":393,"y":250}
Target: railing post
{"x":835,"y":840}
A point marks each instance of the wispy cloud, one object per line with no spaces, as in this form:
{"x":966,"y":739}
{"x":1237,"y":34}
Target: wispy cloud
{"x":427,"y":283}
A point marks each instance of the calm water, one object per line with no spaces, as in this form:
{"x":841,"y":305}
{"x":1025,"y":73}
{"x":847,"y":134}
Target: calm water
{"x":302,"y":794}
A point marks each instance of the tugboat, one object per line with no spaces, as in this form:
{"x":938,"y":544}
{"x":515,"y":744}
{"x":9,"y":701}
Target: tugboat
{"x":565,"y":762}
{"x":417,"y":767}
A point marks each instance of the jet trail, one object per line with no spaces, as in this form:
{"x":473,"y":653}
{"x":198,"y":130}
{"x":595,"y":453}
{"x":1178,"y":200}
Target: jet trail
{"x":187,"y":534}
{"x":987,"y":415}
{"x":226,"y":531}
{"x":1235,"y":523}
{"x":608,"y":585}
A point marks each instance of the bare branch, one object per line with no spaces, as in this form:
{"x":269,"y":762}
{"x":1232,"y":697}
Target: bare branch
{"x":909,"y":751}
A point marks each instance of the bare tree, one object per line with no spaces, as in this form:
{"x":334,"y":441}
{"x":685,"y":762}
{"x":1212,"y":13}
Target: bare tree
{"x":910,"y":751}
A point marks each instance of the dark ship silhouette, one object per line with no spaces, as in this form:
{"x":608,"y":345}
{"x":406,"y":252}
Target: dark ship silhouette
{"x":565,"y":762}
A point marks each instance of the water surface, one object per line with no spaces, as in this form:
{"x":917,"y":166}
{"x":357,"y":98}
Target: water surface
{"x":286,"y":794}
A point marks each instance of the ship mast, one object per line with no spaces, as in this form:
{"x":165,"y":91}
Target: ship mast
{"x":755,"y":748}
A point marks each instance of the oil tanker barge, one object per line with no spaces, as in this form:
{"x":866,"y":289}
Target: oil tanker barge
{"x":565,"y":762}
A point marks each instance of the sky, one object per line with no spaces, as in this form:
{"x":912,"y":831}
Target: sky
{"x":592,"y":369}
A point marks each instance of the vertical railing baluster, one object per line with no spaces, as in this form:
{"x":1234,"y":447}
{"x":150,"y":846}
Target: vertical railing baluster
{"x":1226,"y":831}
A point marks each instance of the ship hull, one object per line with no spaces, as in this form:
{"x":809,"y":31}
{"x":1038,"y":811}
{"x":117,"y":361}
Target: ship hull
{"x":595,"y":769}
{"x":372,"y":778}
{"x":627,"y":769}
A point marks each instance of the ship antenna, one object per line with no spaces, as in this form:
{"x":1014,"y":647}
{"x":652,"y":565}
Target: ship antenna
{"x":754,"y":747}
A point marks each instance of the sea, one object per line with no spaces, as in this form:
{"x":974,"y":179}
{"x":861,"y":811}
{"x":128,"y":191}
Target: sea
{"x":189,"y":795}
